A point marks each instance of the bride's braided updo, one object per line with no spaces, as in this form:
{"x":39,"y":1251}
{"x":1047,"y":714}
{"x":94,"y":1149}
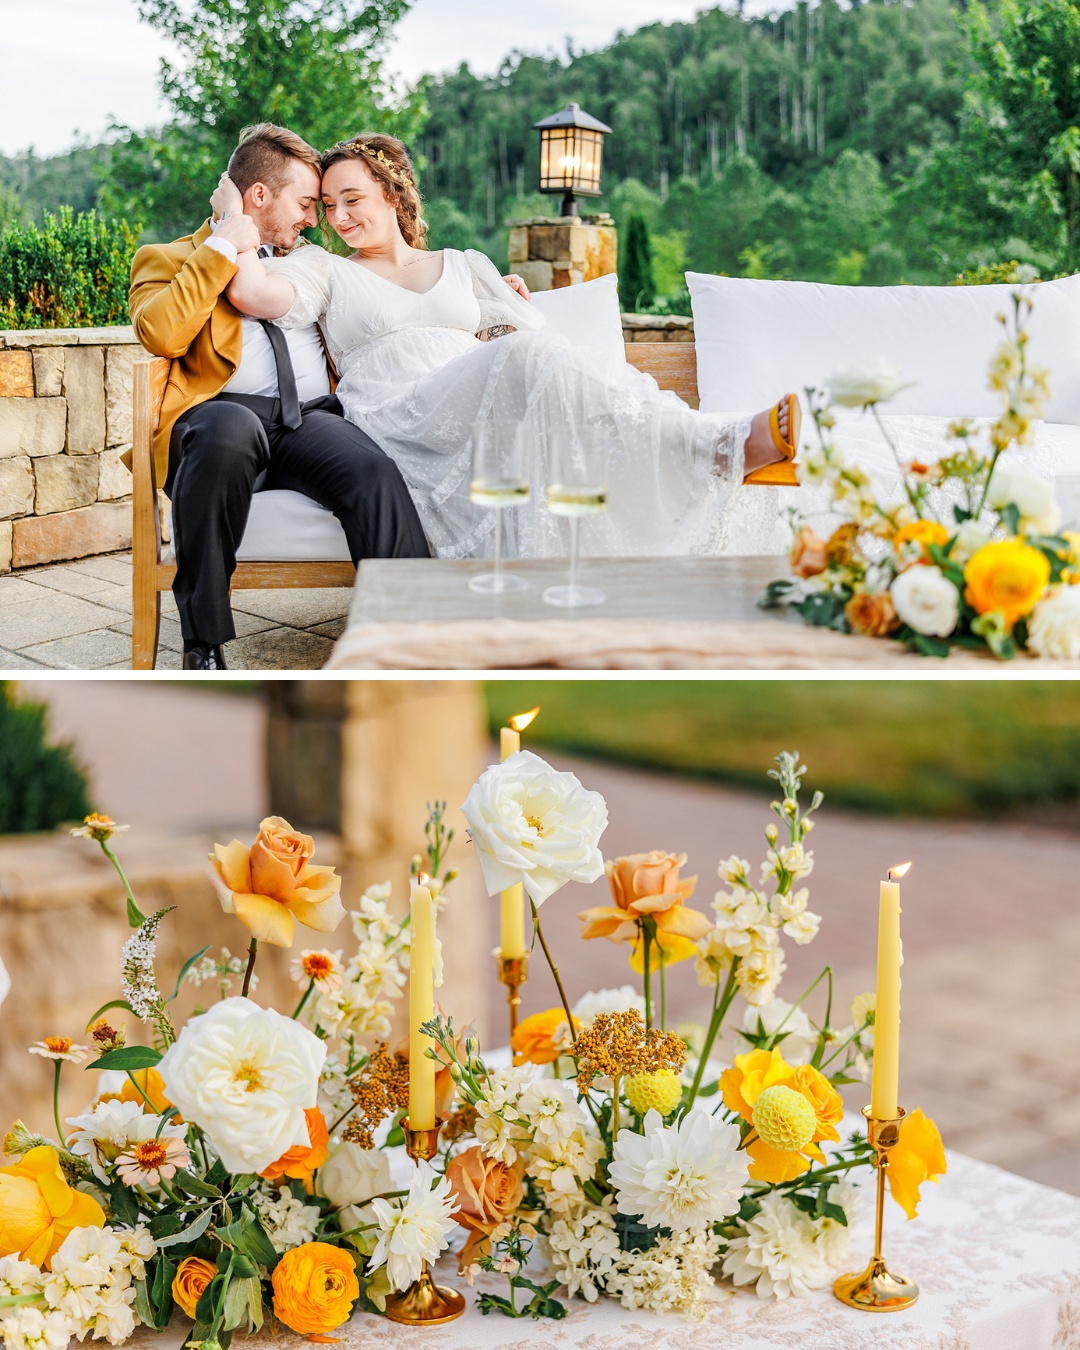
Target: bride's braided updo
{"x":388,"y":162}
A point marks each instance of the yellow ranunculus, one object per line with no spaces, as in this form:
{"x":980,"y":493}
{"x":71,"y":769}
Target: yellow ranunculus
{"x":192,"y":1276}
{"x":270,"y":886}
{"x":38,"y":1209}
{"x":541,"y":1038}
{"x":918,"y":1156}
{"x":315,"y":1287}
{"x":1008,"y":577}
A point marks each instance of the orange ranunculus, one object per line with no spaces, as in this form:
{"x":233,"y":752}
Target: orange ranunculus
{"x":921,"y":532}
{"x":646,"y":886}
{"x":537,"y":1039}
{"x":152,"y":1086}
{"x":487,"y":1192}
{"x":872,"y":613}
{"x":1008,"y":577}
{"x":315,"y":1287}
{"x":918,"y":1156}
{"x":38,"y":1209}
{"x":192,"y":1276}
{"x":823,"y":1097}
{"x":808,"y":556}
{"x":301,"y":1160}
{"x":271,"y":886}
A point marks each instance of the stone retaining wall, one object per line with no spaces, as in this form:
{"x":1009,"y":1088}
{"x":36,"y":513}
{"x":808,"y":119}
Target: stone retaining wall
{"x":65,"y":418}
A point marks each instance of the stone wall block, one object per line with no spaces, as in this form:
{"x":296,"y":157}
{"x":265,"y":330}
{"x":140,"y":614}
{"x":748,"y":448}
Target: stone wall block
{"x":16,"y":487}
{"x":5,"y":545}
{"x":114,"y":480}
{"x":549,"y":242}
{"x":49,"y":372}
{"x":32,"y":426}
{"x":104,"y":527}
{"x":65,"y":482}
{"x":84,"y":389}
{"x":118,"y":364}
{"x":517,"y":246}
{"x":536,"y":275}
{"x":16,"y":375}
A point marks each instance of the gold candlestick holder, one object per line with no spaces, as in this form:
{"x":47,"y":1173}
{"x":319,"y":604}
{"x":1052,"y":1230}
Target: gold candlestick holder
{"x":513,"y":972}
{"x":876,"y":1289}
{"x":424,"y":1303}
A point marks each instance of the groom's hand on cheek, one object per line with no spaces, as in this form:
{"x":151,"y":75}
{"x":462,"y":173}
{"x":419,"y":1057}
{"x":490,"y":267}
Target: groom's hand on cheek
{"x":240,"y":231}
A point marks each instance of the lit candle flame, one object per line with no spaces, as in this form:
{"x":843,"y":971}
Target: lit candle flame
{"x":423,"y":878}
{"x":520,"y":721}
{"x":895,"y":873}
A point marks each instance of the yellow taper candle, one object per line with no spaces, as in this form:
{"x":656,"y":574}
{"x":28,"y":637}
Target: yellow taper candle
{"x":421,"y":1009}
{"x":512,"y":901}
{"x":885,"y":1083}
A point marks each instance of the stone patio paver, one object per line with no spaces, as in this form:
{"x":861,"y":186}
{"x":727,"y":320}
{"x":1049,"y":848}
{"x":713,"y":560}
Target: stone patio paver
{"x":77,"y":616}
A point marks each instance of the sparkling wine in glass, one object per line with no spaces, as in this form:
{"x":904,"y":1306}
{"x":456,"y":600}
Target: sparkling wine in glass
{"x":576,"y":487}
{"x":500,"y":479}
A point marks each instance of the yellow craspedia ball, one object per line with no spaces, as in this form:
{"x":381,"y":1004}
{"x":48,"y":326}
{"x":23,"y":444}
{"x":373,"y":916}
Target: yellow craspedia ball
{"x":784,"y":1119}
{"x":660,"y":1091}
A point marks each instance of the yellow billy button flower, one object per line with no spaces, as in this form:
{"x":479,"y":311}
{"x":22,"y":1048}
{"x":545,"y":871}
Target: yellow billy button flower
{"x":784,"y":1119}
{"x":918,"y":1156}
{"x":660,"y":1091}
{"x":1007,"y":577}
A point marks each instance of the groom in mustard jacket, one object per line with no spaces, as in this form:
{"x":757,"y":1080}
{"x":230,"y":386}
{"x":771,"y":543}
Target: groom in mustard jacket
{"x":247,"y":404}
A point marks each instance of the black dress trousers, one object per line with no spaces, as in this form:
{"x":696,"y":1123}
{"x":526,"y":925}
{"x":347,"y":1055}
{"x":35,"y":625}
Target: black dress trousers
{"x":226,"y":449}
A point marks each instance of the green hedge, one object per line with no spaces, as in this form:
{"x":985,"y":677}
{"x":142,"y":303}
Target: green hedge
{"x":41,"y":785}
{"x":68,"y":272}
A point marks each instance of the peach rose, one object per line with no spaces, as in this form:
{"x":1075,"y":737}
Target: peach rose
{"x":271,"y":886}
{"x":646,"y":885}
{"x":315,"y":1287}
{"x":192,"y":1276}
{"x":808,"y":556}
{"x":299,"y":1161}
{"x":488,"y":1192}
{"x":872,"y":613}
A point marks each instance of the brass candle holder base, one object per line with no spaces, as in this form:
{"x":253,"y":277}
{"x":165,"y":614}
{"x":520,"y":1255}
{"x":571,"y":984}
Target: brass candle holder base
{"x":876,"y":1289}
{"x":513,"y":972}
{"x":424,"y":1303}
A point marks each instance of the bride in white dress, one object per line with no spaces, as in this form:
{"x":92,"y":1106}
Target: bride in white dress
{"x":430,"y":345}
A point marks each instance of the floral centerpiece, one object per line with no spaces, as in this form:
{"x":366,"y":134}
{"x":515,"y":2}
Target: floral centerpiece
{"x":240,"y":1167}
{"x":971,"y":555}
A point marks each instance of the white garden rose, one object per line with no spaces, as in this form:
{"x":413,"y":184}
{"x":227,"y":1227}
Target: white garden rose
{"x":859,"y":386}
{"x":1054,"y":626}
{"x":534,"y":825}
{"x":926,"y":600}
{"x":245,"y":1075}
{"x":351,"y":1175}
{"x":1015,"y":483}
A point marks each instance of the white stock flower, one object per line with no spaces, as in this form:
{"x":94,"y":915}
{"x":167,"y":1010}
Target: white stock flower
{"x":561,"y":1167}
{"x":534,"y":825}
{"x":1054,"y":626}
{"x":858,"y":386}
{"x":245,"y":1075}
{"x":351,"y":1175}
{"x":111,"y":1128}
{"x":551,"y":1108}
{"x":800,"y":1039}
{"x":497,"y":1130}
{"x":415,"y":1231}
{"x":790,"y":858}
{"x":797,"y":921}
{"x":606,"y":1001}
{"x":584,"y":1250}
{"x":674,"y":1275}
{"x":137,"y":1246}
{"x":779,"y":1254}
{"x":681,"y":1176}
{"x":32,"y":1329}
{"x":18,"y":1277}
{"x":288,"y":1221}
{"x":759,"y":974}
{"x":1015,"y":483}
{"x":926,"y":600}
{"x":90,"y":1283}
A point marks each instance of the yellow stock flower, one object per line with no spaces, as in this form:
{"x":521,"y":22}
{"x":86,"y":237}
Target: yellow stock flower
{"x":1007,"y":577}
{"x":918,"y":1156}
{"x":38,"y":1209}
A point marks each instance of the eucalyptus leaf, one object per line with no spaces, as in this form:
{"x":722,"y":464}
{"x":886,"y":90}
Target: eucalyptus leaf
{"x":194,"y":1186}
{"x":191,"y":1232}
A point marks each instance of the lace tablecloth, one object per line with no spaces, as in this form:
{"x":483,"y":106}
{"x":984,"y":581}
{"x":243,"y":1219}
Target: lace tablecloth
{"x":996,"y":1258}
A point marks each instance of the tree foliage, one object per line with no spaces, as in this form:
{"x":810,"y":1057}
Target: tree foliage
{"x":41,"y":786}
{"x":637,"y":285}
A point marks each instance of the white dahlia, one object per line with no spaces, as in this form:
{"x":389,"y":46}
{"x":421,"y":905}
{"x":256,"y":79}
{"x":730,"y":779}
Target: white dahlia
{"x":414,"y":1231}
{"x":779,"y":1254}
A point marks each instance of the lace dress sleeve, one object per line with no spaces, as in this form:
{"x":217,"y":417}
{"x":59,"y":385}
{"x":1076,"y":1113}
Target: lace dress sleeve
{"x":310,"y":271}
{"x":498,"y":303}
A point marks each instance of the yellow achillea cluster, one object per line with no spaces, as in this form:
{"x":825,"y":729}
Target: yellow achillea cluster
{"x":381,"y":1086}
{"x":618,"y":1044}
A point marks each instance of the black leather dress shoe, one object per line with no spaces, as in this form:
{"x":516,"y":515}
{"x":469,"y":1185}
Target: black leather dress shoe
{"x":204,"y":657}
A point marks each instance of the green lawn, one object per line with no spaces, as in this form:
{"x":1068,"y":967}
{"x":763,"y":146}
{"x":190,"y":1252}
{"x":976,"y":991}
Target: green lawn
{"x":926,"y":747}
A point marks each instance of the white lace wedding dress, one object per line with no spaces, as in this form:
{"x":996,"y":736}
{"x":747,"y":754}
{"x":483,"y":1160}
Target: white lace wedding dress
{"x":415,"y":376}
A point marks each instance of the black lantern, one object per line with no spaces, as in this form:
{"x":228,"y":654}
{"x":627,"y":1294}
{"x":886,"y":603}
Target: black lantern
{"x":571,"y":153}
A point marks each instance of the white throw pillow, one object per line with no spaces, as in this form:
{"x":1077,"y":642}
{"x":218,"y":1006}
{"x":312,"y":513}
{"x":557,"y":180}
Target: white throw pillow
{"x":758,"y":339}
{"x":586,"y":314}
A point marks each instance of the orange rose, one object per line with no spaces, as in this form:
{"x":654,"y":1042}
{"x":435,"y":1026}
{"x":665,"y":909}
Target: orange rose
{"x":270,"y":886}
{"x":38,"y":1209}
{"x":537,"y":1040}
{"x":315,"y":1287}
{"x":300,"y":1160}
{"x":192,"y":1276}
{"x":871,"y":613}
{"x":921,"y":532}
{"x":808,"y":556}
{"x":487,"y":1193}
{"x":646,"y":886}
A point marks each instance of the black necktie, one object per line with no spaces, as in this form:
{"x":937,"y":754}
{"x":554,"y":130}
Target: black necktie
{"x":286,"y":378}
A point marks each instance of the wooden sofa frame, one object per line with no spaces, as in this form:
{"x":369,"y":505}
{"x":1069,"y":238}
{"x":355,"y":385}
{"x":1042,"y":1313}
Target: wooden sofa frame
{"x":672,"y":365}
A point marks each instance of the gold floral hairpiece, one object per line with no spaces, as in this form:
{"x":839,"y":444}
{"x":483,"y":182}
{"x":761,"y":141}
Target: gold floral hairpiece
{"x":362,"y":147}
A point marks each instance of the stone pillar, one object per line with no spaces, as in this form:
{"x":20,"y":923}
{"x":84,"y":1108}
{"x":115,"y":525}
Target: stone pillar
{"x":405,"y":743}
{"x":554,"y":251}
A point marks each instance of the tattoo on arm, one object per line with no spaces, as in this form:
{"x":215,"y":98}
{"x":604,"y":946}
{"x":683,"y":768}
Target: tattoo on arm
{"x":497,"y":330}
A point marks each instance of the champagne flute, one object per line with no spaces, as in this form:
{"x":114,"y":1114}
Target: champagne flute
{"x":576,"y":487}
{"x":500,"y":478}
